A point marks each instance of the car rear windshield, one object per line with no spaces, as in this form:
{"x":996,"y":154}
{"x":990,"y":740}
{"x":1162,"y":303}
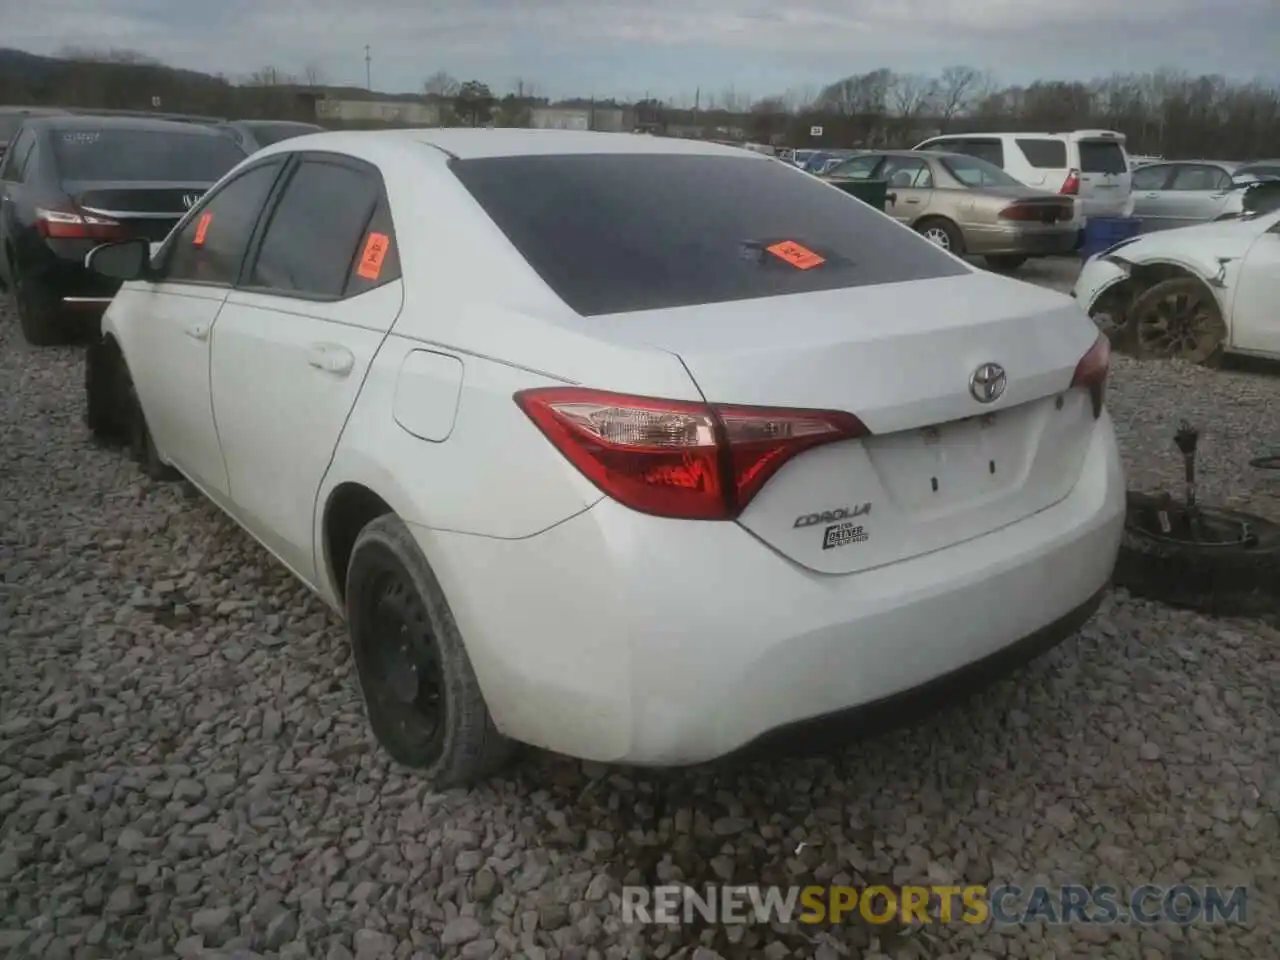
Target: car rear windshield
{"x":268,"y":133}
{"x":615,"y":233}
{"x":1044,"y":153}
{"x":143,"y":155}
{"x":973,"y":172}
{"x":1102,"y":156}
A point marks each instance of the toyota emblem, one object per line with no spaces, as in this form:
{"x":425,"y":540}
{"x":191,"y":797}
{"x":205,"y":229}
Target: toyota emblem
{"x":988,"y":382}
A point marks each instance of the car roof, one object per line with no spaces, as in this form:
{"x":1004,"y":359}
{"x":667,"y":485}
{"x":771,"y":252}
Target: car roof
{"x":79,"y":121}
{"x":479,"y":143}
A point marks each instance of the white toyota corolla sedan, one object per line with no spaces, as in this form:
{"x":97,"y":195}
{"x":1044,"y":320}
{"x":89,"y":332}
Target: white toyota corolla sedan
{"x":629,"y":447}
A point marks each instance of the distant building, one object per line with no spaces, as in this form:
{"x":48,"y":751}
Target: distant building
{"x":608,"y":119}
{"x":407,"y":112}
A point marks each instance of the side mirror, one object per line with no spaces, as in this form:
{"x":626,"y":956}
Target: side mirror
{"x":126,"y":260}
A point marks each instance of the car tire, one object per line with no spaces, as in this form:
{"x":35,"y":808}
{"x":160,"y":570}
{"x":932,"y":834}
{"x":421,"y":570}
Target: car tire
{"x":944,"y":233}
{"x":142,"y":446}
{"x":1194,"y":330}
{"x":105,"y":413}
{"x":1223,"y":580}
{"x":1005,"y":262}
{"x":39,"y":314}
{"x":421,"y":696}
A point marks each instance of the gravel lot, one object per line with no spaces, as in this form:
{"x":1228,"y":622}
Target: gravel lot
{"x":185,"y":769}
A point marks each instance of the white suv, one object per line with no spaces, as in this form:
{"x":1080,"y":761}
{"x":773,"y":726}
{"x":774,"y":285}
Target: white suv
{"x":1091,"y":165}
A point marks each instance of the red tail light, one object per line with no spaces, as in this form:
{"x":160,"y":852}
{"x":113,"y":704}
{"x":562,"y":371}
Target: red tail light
{"x":76,"y":225}
{"x":1092,"y":370}
{"x":1071,"y":186}
{"x":675,"y":458}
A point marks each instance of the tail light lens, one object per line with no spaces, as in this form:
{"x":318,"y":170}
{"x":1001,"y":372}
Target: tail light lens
{"x":1092,"y":371}
{"x":1053,"y":212}
{"x":76,"y":225}
{"x":674,"y":458}
{"x":1071,"y":186}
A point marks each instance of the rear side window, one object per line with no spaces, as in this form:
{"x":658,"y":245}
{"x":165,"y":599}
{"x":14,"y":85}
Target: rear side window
{"x":941,"y":146}
{"x":1152,"y":178}
{"x":1102,"y":156}
{"x":310,"y":242}
{"x":140,"y":155}
{"x":210,"y":247}
{"x":616,"y":233}
{"x":14,"y":164}
{"x":988,"y":149}
{"x":1200,"y":177}
{"x":1044,"y":153}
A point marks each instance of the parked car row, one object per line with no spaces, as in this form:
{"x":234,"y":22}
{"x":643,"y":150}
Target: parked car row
{"x":349,"y":341}
{"x":70,"y":181}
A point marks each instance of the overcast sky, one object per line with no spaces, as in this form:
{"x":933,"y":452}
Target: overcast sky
{"x":664,"y":47}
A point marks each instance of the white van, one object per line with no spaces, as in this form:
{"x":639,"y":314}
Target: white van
{"x":1091,"y":165}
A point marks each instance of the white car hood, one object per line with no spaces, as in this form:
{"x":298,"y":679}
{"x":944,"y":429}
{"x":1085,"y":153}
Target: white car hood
{"x":1228,"y":238}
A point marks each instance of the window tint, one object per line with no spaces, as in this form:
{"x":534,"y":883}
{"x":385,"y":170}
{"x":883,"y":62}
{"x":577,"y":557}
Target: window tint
{"x":311,"y":239}
{"x":9,"y":124}
{"x":991,"y":151}
{"x":1198,"y":177}
{"x":210,"y":246}
{"x":1152,"y":177}
{"x":123,"y":154}
{"x":1260,"y":171}
{"x":1102,"y":156}
{"x":623,"y":232}
{"x":377,"y":259}
{"x":973,"y":172}
{"x":859,"y":168}
{"x":941,"y":146}
{"x":907,"y":172}
{"x":1044,"y":153}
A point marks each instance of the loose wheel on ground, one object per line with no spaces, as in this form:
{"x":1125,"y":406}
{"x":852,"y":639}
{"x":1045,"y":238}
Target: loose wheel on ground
{"x":944,"y":233}
{"x":1178,"y":318}
{"x":420,"y":692}
{"x":1229,"y":566}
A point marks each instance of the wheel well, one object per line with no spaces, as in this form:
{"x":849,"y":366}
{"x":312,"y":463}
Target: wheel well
{"x":1117,"y":300}
{"x":350,"y":508}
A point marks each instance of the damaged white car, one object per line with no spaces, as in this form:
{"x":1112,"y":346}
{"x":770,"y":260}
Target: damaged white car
{"x":1193,"y":293}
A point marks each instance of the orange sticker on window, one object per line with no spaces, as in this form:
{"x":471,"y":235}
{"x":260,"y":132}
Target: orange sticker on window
{"x":802,"y":258}
{"x":375,"y":251}
{"x":202,"y":227}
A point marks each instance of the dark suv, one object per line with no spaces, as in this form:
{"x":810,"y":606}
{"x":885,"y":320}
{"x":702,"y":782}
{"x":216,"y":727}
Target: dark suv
{"x":69,"y":183}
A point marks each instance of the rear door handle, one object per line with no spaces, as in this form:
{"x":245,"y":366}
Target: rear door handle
{"x":331,"y":358}
{"x":198,"y":331}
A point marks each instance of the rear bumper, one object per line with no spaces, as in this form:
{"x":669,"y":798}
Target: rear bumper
{"x":620,"y":637}
{"x":996,"y":240}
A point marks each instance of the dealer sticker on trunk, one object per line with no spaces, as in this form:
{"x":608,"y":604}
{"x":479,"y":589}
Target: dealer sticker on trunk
{"x":843,"y":534}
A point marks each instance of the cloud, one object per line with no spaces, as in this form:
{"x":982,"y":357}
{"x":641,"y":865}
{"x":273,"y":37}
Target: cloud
{"x":612,"y":45}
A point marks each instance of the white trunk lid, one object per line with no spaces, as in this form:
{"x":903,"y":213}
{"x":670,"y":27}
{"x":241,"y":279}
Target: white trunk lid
{"x":940,"y":467}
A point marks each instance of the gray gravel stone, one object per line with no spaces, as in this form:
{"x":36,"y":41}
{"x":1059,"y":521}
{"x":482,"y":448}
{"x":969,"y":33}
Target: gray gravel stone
{"x":173,"y":785}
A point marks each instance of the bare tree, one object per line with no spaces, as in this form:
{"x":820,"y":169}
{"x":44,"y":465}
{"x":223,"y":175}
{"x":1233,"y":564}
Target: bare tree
{"x":441,"y":84}
{"x":957,"y":86}
{"x":312,"y":75}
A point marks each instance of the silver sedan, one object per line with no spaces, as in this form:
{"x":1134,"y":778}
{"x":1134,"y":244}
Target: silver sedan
{"x":1182,"y":193}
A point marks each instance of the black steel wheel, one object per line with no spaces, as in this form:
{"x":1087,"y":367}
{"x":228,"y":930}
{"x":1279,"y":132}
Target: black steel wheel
{"x":420,"y":692}
{"x":1178,"y":318}
{"x":1215,"y":560}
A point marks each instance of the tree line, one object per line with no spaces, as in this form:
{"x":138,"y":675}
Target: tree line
{"x":1168,"y":112}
